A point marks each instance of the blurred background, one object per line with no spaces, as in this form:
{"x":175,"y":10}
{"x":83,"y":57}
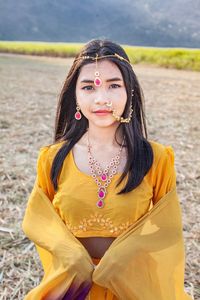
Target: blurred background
{"x":146,"y":22}
{"x":38,"y":41}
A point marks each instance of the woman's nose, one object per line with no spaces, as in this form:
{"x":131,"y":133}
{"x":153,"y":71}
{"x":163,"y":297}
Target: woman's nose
{"x":101,"y":96}
{"x":101,"y":101}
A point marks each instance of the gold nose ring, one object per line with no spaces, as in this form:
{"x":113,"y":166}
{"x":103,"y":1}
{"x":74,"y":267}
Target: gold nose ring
{"x":109,"y":104}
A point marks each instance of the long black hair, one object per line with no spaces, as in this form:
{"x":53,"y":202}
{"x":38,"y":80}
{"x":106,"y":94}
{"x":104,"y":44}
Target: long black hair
{"x":69,"y":130}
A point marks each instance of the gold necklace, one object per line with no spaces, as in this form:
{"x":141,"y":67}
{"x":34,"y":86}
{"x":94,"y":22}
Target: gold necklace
{"x":105,"y":175}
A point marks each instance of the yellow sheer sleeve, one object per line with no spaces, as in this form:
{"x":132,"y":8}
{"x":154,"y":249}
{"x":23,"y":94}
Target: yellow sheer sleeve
{"x":43,"y":181}
{"x":68,"y":266}
{"x":165,"y":174}
{"x":45,"y":258}
{"x":149,"y":253}
{"x":43,"y":172}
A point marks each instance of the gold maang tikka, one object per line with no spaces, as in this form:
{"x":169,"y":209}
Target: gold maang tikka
{"x":97,"y":79}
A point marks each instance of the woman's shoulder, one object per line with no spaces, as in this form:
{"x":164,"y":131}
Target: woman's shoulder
{"x":162,"y":175}
{"x":161,"y":152}
{"x":49,"y":151}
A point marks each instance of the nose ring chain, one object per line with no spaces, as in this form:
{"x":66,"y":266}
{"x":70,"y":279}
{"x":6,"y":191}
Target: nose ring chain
{"x":118,"y":118}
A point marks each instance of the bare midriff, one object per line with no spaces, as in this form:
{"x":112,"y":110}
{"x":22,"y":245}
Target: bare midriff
{"x":96,"y":246}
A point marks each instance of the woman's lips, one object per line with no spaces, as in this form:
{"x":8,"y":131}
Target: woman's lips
{"x":102,"y":112}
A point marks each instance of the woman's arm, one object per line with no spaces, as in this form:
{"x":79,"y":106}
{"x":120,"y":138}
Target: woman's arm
{"x":44,"y":163}
{"x":67,"y":265}
{"x":164,"y":175}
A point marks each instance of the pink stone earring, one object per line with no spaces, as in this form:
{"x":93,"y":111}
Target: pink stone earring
{"x":97,"y":79}
{"x":78,"y":115}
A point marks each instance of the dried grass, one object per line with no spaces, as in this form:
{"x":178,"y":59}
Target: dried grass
{"x":29,"y":92}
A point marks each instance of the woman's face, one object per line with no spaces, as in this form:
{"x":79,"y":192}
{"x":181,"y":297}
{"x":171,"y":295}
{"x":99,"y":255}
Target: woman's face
{"x":92,"y":98}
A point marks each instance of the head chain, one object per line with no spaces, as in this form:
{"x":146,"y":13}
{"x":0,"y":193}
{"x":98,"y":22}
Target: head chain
{"x":104,"y":56}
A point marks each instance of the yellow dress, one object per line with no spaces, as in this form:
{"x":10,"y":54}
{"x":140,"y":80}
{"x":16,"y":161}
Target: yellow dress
{"x":146,"y":260}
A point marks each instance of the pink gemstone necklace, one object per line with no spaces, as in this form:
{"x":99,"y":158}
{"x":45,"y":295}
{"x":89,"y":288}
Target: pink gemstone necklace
{"x":105,"y":175}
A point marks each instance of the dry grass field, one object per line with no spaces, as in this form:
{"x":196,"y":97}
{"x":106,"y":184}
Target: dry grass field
{"x":29,"y":91}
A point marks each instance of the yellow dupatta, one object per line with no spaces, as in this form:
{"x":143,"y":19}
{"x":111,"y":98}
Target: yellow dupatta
{"x":146,"y":262}
{"x":68,"y":273}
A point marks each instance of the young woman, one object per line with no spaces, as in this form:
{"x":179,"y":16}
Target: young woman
{"x":104,"y":213}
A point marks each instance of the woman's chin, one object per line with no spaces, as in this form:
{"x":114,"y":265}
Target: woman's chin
{"x":103,"y":123}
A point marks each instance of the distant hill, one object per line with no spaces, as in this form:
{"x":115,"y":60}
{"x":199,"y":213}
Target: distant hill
{"x":147,"y":23}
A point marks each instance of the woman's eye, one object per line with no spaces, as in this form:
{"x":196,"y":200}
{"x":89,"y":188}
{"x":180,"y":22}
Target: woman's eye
{"x":90,"y":87}
{"x":115,"y":85}
{"x":87,"y":88}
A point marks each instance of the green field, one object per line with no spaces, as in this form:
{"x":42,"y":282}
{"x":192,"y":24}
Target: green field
{"x":178,"y":58}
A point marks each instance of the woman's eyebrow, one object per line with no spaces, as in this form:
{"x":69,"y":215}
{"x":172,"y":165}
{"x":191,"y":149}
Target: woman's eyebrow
{"x":108,"y":80}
